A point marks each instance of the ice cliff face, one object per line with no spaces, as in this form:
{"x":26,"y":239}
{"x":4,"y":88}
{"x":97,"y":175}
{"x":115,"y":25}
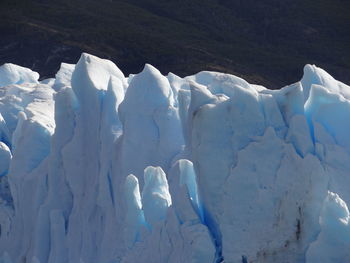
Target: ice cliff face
{"x":99,"y":167}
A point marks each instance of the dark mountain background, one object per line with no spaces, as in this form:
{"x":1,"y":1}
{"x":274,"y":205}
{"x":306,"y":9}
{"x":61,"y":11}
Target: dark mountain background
{"x":264,"y":41}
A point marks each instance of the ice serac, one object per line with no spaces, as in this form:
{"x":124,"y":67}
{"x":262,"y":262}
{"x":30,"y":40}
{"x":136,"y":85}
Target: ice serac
{"x":188,"y":178}
{"x":57,"y":201}
{"x":96,"y":167}
{"x":155,"y":195}
{"x":330,"y":110}
{"x":317,"y":76}
{"x":135,"y":218}
{"x":30,"y":146}
{"x":219,"y":82}
{"x":86,"y":161}
{"x":177,"y":85}
{"x":74,"y":216}
{"x":273,"y":182}
{"x":197,"y":239}
{"x":63,"y":76}
{"x":148,"y":106}
{"x":328,"y":113}
{"x":13,"y":74}
{"x":333,"y":242}
{"x":237,"y":169}
{"x":5,"y":158}
{"x":181,"y":235}
{"x":220,"y":128}
{"x":35,"y":100}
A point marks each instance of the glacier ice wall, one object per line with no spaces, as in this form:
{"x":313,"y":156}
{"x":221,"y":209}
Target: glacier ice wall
{"x":99,"y":167}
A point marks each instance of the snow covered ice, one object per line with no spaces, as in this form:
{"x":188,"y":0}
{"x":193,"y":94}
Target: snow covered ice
{"x":96,"y":166}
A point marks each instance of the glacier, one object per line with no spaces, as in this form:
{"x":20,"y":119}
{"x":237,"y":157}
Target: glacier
{"x":96,"y":166}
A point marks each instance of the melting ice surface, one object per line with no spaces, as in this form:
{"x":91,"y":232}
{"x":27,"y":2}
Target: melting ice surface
{"x":99,"y":167}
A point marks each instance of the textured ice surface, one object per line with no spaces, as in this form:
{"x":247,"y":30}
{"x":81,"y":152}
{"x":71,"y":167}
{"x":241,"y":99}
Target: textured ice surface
{"x":96,"y":167}
{"x":13,"y":74}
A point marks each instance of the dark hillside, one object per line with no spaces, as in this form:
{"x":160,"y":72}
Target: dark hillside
{"x":263,"y":41}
